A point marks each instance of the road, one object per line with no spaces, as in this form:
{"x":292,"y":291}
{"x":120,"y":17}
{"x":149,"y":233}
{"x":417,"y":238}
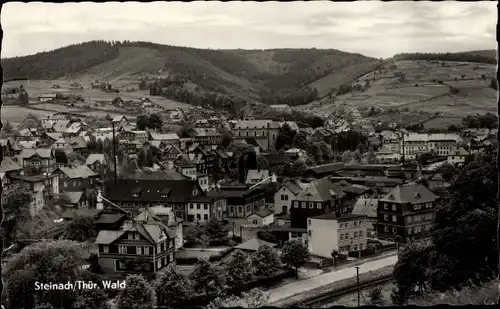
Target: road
{"x":298,"y":287}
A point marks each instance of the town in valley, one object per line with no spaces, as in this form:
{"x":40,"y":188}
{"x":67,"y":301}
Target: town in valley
{"x":137,"y":172}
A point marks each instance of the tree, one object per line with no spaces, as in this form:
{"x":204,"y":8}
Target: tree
{"x":255,"y":298}
{"x":173,"y":288}
{"x":227,"y":139}
{"x":76,"y":158}
{"x":216,"y":230}
{"x":262,"y":163}
{"x":238,"y":270}
{"x":300,"y":140}
{"x":81,"y":228}
{"x":410,"y":270}
{"x":23,"y":97}
{"x":206,"y":278}
{"x":30,"y":121}
{"x":357,"y":156}
{"x":155,"y":122}
{"x":91,"y":299}
{"x":376,"y":297}
{"x":50,"y":261}
{"x":142,"y":122}
{"x":347,"y":156}
{"x":285,"y":137}
{"x":295,"y":255}
{"x":145,"y":157}
{"x":265,"y":262}
{"x":371,"y":158}
{"x":138,"y":294}
{"x":16,"y":201}
{"x":108,"y":117}
{"x":204,"y":241}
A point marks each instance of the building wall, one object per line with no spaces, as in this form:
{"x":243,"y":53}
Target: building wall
{"x":352,"y":235}
{"x":283,"y":198}
{"x":322,"y":237}
{"x":200,"y":212}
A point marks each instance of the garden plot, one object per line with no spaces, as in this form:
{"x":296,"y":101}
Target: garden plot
{"x":16,"y":114}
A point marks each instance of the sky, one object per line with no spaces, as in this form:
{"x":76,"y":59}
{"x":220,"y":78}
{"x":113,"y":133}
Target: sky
{"x":371,"y":28}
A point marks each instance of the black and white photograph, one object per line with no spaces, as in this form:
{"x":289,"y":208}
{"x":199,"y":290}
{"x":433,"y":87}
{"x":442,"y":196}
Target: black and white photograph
{"x":248,"y":154}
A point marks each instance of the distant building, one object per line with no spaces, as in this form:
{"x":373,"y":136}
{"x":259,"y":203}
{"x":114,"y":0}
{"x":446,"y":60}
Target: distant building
{"x":46,"y":97}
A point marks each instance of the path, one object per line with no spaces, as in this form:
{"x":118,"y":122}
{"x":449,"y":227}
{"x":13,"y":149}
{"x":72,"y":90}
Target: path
{"x":298,"y":287}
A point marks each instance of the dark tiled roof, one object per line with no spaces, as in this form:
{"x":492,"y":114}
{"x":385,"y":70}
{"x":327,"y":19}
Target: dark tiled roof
{"x":409,"y":193}
{"x":333,"y":216}
{"x":277,"y":159}
{"x":180,"y":190}
{"x":320,"y":190}
{"x":109,"y":218}
{"x":264,"y":212}
{"x":8,"y":165}
{"x":251,"y":141}
{"x":82,"y":171}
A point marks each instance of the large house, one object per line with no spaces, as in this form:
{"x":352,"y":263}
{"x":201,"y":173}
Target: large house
{"x":442,"y":144}
{"x":407,"y":211}
{"x":203,"y":209}
{"x":241,"y":200}
{"x":167,"y":139}
{"x":333,"y":231}
{"x":265,"y":132}
{"x":142,"y":237}
{"x":134,"y":194}
{"x":317,"y":197}
{"x":77,"y":178}
{"x":39,"y":161}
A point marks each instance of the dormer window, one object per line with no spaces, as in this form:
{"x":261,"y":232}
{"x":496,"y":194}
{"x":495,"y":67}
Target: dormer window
{"x":391,"y":197}
{"x":136,"y":192}
{"x":417,"y":195}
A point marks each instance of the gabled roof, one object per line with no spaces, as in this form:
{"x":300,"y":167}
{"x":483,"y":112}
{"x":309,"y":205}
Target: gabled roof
{"x":264,"y":212}
{"x":368,"y":209}
{"x":77,"y":142}
{"x":327,"y":168}
{"x":118,"y":118}
{"x":106,"y":237}
{"x":163,"y":137}
{"x":61,"y":125}
{"x":82,"y":171}
{"x":73,"y":197}
{"x":42,"y":152}
{"x":108,"y":218}
{"x":320,"y":190}
{"x":254,"y":244}
{"x":93,"y":157}
{"x":8,"y":165}
{"x":55,"y":135}
{"x":256,"y":175}
{"x":294,"y":186}
{"x":409,"y":193}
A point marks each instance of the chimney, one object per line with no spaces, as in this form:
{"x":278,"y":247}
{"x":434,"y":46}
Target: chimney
{"x":337,"y":213}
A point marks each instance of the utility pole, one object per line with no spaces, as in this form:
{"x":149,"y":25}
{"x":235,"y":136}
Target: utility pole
{"x":357,"y":283}
{"x":114,"y":151}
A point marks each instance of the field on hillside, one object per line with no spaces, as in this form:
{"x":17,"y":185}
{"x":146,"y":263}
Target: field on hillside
{"x":92,"y":106}
{"x":420,"y":94}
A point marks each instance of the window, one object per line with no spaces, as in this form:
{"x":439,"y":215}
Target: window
{"x":158,"y":263}
{"x":311,"y":205}
{"x":240,"y":208}
{"x":309,"y":232}
{"x":137,"y":236}
{"x":346,"y":225}
{"x":355,"y":234}
{"x":198,"y":217}
{"x":386,"y":217}
{"x":146,"y":250}
{"x":318,"y":205}
{"x":205,"y":206}
{"x":158,"y":249}
{"x":394,"y":218}
{"x":360,"y":246}
{"x":355,"y":247}
{"x":197,"y":206}
{"x":355,"y":223}
{"x":121,"y":265}
{"x":394,"y":207}
{"x":122,"y":249}
{"x":409,"y":230}
{"x":138,"y":250}
{"x":386,"y":228}
{"x":130,"y":235}
{"x":309,"y":221}
{"x":386,"y":206}
{"x":394,"y":230}
{"x":409,"y":219}
{"x":191,"y":206}
{"x":106,"y":249}
{"x":360,"y":233}
{"x":341,"y":226}
{"x":341,"y":236}
{"x":205,"y":217}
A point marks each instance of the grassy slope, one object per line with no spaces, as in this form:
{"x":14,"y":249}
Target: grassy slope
{"x":429,"y":97}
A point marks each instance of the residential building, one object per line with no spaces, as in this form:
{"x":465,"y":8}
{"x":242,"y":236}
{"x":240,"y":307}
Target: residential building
{"x":120,"y":121}
{"x":8,"y":168}
{"x":408,"y":211}
{"x":133,"y":194}
{"x":96,"y":162}
{"x":79,"y":178}
{"x":7,"y":150}
{"x":75,"y":199}
{"x":367,"y":207}
{"x":39,"y":161}
{"x":47,"y":97}
{"x":241,"y":201}
{"x":285,"y":195}
{"x":265,"y":132}
{"x":208,"y":138}
{"x":324,"y":170}
{"x":202,"y":209}
{"x":317,"y":197}
{"x":149,"y":239}
{"x":261,"y":217}
{"x":333,"y":231}
{"x":168,"y":217}
{"x":167,"y":139}
{"x":37,"y":186}
{"x":441,"y":144}
{"x":458,"y":156}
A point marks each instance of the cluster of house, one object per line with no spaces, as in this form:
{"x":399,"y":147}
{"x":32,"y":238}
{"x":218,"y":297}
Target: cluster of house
{"x":332,"y":207}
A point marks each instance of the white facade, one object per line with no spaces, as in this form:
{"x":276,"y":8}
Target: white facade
{"x":326,"y":235}
{"x":261,"y":221}
{"x":199,"y":211}
{"x":442,"y":144}
{"x":283,"y":201}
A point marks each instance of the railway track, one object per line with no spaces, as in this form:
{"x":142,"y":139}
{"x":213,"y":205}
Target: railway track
{"x":332,"y":295}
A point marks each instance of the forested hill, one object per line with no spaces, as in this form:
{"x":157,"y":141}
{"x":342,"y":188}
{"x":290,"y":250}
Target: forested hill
{"x":479,"y":56}
{"x":269,"y":76}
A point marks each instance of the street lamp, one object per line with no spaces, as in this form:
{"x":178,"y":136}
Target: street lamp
{"x":357,"y":265}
